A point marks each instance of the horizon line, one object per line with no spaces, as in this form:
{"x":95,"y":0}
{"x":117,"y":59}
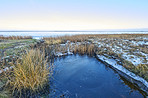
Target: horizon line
{"x":73,"y":30}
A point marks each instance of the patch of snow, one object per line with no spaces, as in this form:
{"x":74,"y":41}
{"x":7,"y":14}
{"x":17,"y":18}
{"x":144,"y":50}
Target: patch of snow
{"x":60,"y":54}
{"x":1,"y":71}
{"x":113,"y":63}
{"x":5,"y":69}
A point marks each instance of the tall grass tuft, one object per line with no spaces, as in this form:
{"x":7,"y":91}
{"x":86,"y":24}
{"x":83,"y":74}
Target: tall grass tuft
{"x":31,"y":73}
{"x":88,"y":49}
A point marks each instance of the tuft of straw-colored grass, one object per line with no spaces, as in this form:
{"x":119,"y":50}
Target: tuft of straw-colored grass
{"x":31,"y":72}
{"x":52,"y":42}
{"x":85,"y":49}
{"x":15,"y":37}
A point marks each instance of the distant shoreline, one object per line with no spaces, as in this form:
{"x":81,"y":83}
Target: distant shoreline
{"x":75,"y":31}
{"x":63,"y":33}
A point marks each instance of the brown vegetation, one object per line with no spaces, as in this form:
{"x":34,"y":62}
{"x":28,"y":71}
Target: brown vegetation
{"x":15,"y":37}
{"x":29,"y":73}
{"x":88,"y":49}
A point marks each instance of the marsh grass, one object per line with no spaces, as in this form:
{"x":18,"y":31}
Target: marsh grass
{"x":84,"y":37}
{"x":30,"y":74}
{"x":140,"y":70}
{"x":114,"y":41}
{"x":15,"y":37}
{"x":52,"y":42}
{"x":88,"y":49}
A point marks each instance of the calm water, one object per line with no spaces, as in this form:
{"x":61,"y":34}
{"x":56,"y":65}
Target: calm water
{"x":86,"y":77}
{"x":61,"y":33}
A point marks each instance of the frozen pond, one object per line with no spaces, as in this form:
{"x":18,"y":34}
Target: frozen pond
{"x":78,"y":76}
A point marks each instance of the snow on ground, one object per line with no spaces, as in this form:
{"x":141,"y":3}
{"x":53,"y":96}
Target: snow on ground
{"x":5,"y":69}
{"x":122,"y":46}
{"x":114,"y":64}
{"x":131,"y":50}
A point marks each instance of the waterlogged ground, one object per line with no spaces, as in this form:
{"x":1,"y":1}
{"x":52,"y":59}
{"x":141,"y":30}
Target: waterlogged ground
{"x":78,"y":76}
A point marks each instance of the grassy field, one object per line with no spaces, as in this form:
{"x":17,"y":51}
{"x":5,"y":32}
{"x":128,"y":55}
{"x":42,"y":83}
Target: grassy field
{"x":129,"y":50}
{"x":30,"y":59}
{"x":10,"y":52}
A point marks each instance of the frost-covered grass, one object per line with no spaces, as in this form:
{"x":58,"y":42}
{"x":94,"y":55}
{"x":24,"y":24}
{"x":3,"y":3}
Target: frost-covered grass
{"x":10,"y":50}
{"x":14,"y":43}
{"x":122,"y":69}
{"x":129,"y":51}
{"x":132,"y":56}
{"x":129,"y":47}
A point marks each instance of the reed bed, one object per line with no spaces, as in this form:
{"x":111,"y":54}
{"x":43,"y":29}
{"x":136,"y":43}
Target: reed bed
{"x":84,"y":37}
{"x":14,"y":37}
{"x":114,"y":40}
{"x":88,"y":49}
{"x":141,"y":70}
{"x":30,"y":73}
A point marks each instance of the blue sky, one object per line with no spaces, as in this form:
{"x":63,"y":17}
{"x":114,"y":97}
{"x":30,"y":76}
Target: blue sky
{"x":73,"y":14}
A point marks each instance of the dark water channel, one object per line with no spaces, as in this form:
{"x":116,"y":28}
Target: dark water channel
{"x":78,"y":76}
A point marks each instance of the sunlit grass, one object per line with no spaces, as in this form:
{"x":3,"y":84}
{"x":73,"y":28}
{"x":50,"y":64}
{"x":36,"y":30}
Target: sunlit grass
{"x":52,"y":42}
{"x":86,"y":48}
{"x":15,"y":37}
{"x":30,"y":73}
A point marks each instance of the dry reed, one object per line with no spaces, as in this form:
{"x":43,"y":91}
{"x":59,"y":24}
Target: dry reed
{"x":30,"y":73}
{"x":15,"y":37}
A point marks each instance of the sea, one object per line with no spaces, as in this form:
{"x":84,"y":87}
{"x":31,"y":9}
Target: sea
{"x":41,"y":34}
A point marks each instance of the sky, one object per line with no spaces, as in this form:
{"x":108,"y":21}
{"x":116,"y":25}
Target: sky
{"x":73,"y":14}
